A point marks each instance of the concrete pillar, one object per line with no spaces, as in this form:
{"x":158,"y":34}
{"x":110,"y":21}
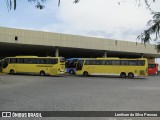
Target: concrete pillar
{"x":105,"y":54}
{"x":57,"y":52}
{"x":141,"y":55}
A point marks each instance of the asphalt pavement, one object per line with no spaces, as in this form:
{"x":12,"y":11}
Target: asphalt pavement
{"x":77,"y":93}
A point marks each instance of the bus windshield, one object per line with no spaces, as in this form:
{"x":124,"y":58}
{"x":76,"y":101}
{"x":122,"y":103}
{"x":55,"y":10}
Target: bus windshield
{"x":80,"y":65}
{"x":5,"y":63}
{"x":71,"y":65}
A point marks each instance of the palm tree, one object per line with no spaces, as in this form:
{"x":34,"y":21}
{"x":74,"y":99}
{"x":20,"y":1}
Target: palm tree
{"x":153,"y":29}
{"x":153,"y":26}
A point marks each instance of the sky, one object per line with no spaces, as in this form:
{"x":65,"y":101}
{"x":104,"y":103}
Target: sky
{"x":97,"y":18}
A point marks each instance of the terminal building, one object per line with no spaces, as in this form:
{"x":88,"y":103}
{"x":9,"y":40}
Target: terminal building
{"x":20,"y":42}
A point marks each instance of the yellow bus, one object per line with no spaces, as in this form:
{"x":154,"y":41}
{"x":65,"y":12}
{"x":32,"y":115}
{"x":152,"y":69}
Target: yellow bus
{"x":34,"y":65}
{"x":113,"y":66}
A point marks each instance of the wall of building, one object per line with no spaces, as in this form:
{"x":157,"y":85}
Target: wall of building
{"x":19,"y":36}
{"x":151,"y":60}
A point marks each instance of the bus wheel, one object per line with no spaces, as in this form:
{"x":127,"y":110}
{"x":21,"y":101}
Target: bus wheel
{"x":42,"y":73}
{"x":85,"y":73}
{"x":123,"y":75}
{"x":71,"y":72}
{"x":12,"y":72}
{"x":130,"y":75}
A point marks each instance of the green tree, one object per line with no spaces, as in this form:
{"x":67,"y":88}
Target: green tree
{"x":153,"y":26}
{"x":12,"y":4}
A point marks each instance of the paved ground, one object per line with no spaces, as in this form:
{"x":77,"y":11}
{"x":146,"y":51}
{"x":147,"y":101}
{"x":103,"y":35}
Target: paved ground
{"x":75,"y":93}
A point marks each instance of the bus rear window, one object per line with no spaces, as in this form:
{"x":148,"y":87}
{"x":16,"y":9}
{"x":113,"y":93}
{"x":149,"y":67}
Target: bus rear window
{"x":151,"y":65}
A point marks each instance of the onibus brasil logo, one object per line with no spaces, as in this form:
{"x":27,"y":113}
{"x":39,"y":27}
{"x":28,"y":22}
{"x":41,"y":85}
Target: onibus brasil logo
{"x":21,"y":114}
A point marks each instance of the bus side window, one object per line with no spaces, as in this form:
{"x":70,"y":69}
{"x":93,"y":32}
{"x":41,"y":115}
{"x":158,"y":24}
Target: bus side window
{"x":98,"y":62}
{"x":103,"y":62}
{"x":133,"y":62}
{"x":108,"y":62}
{"x":30,"y":60}
{"x":26,"y":60}
{"x":47,"y":61}
{"x":33,"y":60}
{"x":54,"y":61}
{"x":86,"y":62}
{"x":124,"y":62}
{"x":40,"y":61}
{"x":12,"y":60}
{"x":141,"y":62}
{"x":20,"y":60}
{"x":115,"y":62}
{"x":90,"y":62}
